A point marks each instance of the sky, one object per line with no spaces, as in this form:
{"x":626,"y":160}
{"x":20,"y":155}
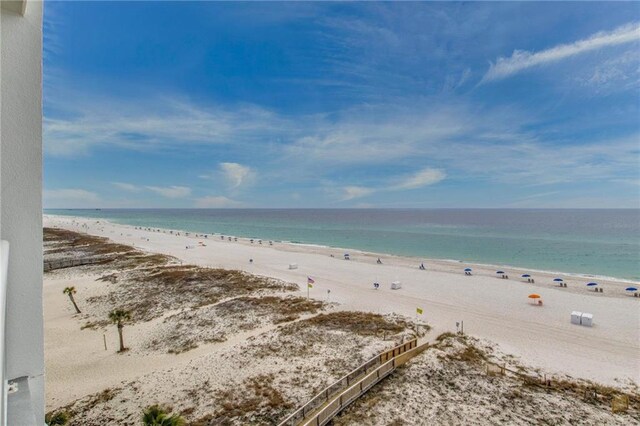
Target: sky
{"x":340,"y":105}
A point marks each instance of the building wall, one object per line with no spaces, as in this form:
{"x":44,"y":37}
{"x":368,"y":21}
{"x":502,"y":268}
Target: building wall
{"x":21,"y":193}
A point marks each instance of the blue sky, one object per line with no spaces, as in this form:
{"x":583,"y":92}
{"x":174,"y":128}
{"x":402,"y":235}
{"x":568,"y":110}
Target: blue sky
{"x":163,"y":104}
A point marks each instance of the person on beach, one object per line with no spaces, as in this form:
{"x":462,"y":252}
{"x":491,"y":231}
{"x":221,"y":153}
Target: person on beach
{"x":379,"y":262}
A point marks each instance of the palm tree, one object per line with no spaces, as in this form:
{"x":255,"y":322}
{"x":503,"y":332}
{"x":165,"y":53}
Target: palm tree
{"x":156,"y":416}
{"x":70,"y":291}
{"x":118,"y":317}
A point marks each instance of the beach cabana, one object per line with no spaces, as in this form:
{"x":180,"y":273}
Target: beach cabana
{"x":467,"y":271}
{"x":633,"y":290}
{"x":535,"y":298}
{"x":502,"y":273}
{"x":560,"y":282}
{"x":528,"y":277}
{"x":346,"y":256}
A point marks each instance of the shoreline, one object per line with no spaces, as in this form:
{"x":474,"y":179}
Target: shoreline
{"x":418,"y":260}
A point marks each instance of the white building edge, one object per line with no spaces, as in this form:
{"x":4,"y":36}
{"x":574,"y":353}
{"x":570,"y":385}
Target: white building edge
{"x":21,"y":329}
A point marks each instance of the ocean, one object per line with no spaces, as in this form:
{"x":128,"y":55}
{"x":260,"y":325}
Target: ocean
{"x":593,"y":242}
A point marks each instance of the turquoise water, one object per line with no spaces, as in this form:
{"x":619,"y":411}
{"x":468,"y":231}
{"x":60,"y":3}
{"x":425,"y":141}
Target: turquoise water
{"x":597,"y":242}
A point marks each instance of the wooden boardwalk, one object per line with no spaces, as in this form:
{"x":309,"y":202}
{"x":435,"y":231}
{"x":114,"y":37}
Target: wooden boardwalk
{"x":328,"y":403}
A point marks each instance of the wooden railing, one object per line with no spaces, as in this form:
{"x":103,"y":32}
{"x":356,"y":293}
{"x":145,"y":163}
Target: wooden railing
{"x":333,"y":399}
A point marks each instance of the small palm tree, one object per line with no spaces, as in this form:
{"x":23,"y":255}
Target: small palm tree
{"x":156,"y":416}
{"x":118,"y":317}
{"x":70,"y":291}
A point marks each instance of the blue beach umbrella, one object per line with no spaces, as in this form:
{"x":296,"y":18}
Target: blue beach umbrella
{"x":526,"y":276}
{"x":499,"y":272}
{"x":467,"y":269}
{"x":558,"y":280}
{"x":591,"y":284}
{"x":631,"y":289}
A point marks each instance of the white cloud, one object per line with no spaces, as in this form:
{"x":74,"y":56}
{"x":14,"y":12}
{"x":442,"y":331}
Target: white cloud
{"x":522,"y":59}
{"x":126,"y":186}
{"x":236,"y":174}
{"x":424,"y":177}
{"x":171,"y":191}
{"x":351,"y":192}
{"x":216,"y":202}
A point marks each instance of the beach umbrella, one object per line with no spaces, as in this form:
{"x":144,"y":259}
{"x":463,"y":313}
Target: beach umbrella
{"x":499,"y":272}
{"x":526,"y":276}
{"x":558,"y":280}
{"x":467,"y":269}
{"x":534,"y":296}
{"x":592,"y":284}
{"x":631,"y":289}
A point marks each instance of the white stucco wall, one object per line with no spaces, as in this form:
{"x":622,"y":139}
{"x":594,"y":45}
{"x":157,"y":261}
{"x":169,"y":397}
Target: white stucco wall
{"x":21,"y":193}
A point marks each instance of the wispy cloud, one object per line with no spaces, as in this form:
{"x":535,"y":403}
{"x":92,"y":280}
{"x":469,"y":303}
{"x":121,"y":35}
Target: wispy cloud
{"x":150,"y":125}
{"x":351,"y":192}
{"x":423,"y":178}
{"x":417,"y":180}
{"x":214,"y":202}
{"x":171,"y":191}
{"x":127,"y":186}
{"x":521,"y":59}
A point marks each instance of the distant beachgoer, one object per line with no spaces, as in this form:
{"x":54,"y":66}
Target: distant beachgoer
{"x":379,"y":262}
{"x":250,"y":260}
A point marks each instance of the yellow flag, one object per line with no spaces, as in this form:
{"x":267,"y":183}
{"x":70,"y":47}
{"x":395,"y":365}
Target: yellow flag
{"x":310,"y":286}
{"x":419,"y":311}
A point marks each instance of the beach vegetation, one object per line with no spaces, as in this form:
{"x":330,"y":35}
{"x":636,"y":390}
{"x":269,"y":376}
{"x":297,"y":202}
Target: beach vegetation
{"x":256,"y":401}
{"x":158,"y":416}
{"x":361,"y":323}
{"x":58,"y":418}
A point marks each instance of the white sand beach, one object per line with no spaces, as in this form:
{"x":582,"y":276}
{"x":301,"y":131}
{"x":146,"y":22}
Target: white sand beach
{"x":497,"y":310}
